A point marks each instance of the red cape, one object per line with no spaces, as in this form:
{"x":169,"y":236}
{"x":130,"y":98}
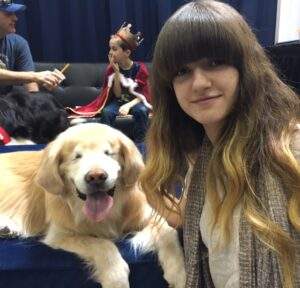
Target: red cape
{"x":95,"y":107}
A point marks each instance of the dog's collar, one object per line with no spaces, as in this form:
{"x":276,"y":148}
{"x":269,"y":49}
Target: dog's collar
{"x":4,"y":137}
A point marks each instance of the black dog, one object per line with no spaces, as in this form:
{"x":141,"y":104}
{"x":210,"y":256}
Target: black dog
{"x":37,"y":117}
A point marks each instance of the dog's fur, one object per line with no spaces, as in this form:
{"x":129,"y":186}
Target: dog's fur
{"x":34,"y":117}
{"x":43,"y":192}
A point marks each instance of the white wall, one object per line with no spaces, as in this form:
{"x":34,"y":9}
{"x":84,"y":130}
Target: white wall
{"x":288,"y":21}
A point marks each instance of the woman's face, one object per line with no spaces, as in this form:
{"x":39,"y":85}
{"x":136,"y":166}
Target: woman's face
{"x":206,"y":90}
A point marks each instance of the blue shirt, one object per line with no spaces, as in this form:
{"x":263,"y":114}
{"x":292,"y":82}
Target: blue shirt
{"x":15,"y":55}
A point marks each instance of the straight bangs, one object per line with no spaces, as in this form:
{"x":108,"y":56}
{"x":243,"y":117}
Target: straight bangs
{"x":190,"y":36}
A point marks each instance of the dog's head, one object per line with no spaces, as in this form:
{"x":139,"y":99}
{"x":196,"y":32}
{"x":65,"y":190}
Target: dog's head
{"x":34,"y":116}
{"x":86,"y":163}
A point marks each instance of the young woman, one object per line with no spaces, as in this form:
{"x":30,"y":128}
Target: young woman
{"x":228,"y":128}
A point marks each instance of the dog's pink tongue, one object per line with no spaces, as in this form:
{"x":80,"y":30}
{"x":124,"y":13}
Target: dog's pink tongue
{"x":97,"y":206}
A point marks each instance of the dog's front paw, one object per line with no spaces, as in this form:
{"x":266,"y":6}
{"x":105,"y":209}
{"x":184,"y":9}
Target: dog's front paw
{"x":116,"y":276}
{"x":175,"y":274}
{"x":171,"y":258}
{"x":116,"y":284}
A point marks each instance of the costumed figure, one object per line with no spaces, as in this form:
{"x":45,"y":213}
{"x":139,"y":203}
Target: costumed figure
{"x":125,"y":89}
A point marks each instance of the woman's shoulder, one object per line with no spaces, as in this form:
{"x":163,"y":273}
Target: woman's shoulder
{"x":295,"y":143}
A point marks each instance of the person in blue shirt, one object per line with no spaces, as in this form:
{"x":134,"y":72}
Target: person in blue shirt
{"x":16,"y":64}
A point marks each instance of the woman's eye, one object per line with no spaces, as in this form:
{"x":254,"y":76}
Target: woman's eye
{"x":182,"y":72}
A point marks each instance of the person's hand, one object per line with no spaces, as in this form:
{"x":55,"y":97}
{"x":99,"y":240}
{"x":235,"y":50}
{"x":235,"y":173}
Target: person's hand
{"x":124,"y":110}
{"x":49,"y":79}
{"x":112,"y":62}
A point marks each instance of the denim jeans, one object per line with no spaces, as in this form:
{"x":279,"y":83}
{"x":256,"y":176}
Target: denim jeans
{"x":139,"y":112}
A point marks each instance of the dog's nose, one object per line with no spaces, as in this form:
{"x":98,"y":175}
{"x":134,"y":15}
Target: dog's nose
{"x":96,"y":177}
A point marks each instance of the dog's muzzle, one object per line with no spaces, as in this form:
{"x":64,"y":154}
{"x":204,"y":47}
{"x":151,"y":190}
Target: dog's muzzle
{"x":96,"y":183}
{"x":83,"y":196}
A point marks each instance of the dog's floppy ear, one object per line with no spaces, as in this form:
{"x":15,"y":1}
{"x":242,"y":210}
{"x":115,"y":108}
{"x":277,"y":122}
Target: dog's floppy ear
{"x":48,"y":176}
{"x":133,"y":161}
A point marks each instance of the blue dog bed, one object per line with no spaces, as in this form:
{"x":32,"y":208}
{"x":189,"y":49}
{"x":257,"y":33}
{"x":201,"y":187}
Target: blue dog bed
{"x":27,"y":263}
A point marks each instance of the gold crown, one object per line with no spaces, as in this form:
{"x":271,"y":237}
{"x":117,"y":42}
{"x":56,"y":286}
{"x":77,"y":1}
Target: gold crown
{"x":130,"y":39}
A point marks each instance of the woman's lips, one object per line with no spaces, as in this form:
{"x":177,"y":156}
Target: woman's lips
{"x":205,"y":99}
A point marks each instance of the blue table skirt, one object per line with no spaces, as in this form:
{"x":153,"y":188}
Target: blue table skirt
{"x":27,"y":263}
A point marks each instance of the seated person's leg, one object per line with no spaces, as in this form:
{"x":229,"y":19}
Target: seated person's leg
{"x":140,"y":114}
{"x":109,"y":113}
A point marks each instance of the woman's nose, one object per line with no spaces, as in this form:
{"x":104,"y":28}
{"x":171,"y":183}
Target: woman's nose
{"x":201,"y":80}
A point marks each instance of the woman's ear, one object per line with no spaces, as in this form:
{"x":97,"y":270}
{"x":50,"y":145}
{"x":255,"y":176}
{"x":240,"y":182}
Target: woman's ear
{"x":48,"y":176}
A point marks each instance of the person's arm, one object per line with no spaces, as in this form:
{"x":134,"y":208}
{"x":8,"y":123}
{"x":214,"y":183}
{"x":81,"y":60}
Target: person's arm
{"x":46,"y":78}
{"x":8,"y":77}
{"x":24,"y":63}
{"x":124,"y":109}
{"x":31,"y":87}
{"x":117,"y":88}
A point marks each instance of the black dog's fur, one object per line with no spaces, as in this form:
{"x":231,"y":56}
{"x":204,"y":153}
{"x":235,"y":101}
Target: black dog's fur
{"x":33,"y":116}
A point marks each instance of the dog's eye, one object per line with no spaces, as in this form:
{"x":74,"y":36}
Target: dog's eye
{"x":109,"y":153}
{"x":78,"y":155}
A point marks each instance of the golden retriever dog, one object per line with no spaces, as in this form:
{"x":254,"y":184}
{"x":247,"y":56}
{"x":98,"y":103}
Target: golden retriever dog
{"x":81,"y":192}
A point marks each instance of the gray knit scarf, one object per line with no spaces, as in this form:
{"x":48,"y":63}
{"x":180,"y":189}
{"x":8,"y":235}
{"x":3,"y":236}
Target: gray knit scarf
{"x":259,"y":266}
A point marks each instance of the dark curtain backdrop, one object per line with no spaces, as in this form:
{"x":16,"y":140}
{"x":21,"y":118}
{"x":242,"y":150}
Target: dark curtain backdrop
{"x":79,"y":30}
